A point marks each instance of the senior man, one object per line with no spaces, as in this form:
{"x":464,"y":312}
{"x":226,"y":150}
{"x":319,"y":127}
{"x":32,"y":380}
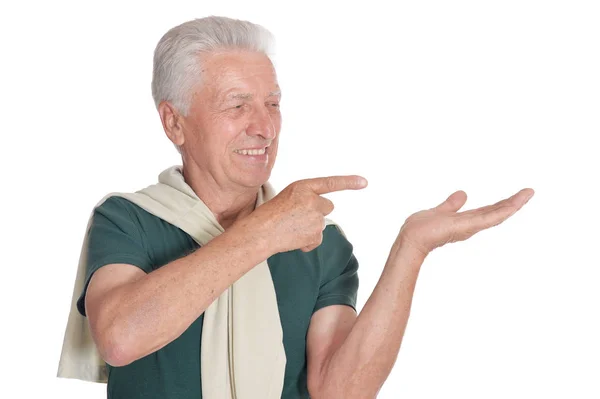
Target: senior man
{"x":208,"y":283}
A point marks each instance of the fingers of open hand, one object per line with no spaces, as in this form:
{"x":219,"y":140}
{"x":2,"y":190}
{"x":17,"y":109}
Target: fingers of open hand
{"x":473,"y":221}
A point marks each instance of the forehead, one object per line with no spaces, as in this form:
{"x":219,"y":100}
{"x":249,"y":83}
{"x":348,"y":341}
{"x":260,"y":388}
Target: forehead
{"x":244,"y":70}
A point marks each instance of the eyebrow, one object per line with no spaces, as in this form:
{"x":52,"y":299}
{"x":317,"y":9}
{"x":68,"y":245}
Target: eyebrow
{"x":248,"y":96}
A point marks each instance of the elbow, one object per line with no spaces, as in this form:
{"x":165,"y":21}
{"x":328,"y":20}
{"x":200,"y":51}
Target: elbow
{"x":113,"y":347}
{"x":116,"y":354}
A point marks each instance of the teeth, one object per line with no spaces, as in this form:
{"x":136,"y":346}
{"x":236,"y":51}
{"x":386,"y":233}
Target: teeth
{"x":251,"y":152}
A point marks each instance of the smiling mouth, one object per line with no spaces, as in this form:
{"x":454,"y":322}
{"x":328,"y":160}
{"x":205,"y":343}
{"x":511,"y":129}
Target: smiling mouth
{"x":255,"y":151}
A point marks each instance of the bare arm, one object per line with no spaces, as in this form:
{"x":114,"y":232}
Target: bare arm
{"x":353,"y":362}
{"x":133,"y":314}
{"x":358,"y":360}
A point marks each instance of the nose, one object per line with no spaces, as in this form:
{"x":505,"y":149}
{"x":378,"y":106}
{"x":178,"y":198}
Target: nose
{"x":261,"y":124}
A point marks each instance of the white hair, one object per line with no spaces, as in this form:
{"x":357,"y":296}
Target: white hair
{"x":177,"y":64}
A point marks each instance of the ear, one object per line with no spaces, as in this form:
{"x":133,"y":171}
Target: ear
{"x":172,"y":123}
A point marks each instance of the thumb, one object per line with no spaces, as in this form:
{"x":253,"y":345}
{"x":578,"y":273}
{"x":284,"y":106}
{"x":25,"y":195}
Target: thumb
{"x":453,"y":203}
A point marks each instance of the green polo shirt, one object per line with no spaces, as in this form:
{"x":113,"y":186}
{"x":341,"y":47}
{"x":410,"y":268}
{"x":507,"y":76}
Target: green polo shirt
{"x":122,"y":232}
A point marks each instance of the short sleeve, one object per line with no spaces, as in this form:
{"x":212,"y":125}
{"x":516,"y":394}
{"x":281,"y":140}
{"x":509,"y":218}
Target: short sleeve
{"x":113,"y":237}
{"x":339,"y":270}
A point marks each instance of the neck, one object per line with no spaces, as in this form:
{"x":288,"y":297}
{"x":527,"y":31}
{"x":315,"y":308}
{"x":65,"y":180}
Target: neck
{"x":228,"y":204}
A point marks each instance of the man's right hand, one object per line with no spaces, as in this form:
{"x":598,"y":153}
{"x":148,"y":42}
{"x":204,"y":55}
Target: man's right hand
{"x":295,"y":218}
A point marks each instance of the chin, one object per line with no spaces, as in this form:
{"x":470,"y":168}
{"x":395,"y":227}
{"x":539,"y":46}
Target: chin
{"x":255,"y":179}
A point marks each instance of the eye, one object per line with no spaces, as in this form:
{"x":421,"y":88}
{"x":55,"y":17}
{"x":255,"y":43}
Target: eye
{"x":275,"y":105}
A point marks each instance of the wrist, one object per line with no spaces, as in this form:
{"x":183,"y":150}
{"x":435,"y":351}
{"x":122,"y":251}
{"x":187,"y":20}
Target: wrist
{"x":408,"y":244}
{"x":406,"y":250}
{"x":255,"y":236}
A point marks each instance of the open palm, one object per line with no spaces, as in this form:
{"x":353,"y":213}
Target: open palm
{"x":432,"y":228}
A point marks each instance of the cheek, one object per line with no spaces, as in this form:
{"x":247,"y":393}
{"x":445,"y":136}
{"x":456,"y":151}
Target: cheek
{"x":223,"y":132}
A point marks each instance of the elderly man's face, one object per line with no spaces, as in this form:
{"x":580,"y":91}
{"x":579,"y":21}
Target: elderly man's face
{"x":234,"y":117}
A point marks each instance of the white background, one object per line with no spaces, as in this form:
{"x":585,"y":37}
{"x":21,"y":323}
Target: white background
{"x":422,"y":98}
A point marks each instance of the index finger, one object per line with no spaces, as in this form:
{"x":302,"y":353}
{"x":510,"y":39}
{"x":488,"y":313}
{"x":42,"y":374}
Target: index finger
{"x":323,"y":185}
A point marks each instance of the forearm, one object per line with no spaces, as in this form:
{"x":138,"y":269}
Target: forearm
{"x":359,"y":367}
{"x":151,"y":312}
